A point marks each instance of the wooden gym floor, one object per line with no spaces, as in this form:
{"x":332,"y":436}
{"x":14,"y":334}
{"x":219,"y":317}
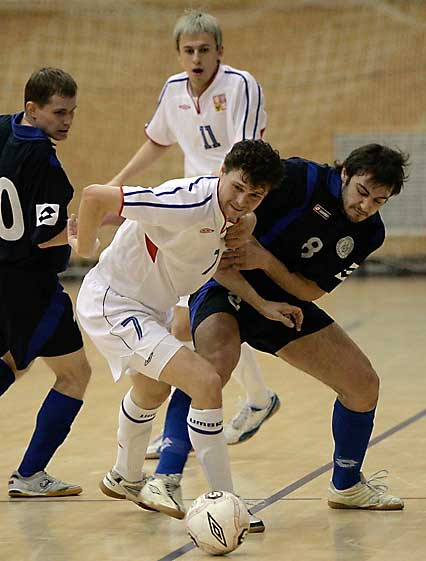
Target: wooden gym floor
{"x":284,"y":469}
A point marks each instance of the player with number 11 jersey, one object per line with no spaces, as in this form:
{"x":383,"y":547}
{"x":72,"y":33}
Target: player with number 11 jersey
{"x":228,"y":110}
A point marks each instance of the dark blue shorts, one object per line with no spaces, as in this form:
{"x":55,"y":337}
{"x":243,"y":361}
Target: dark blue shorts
{"x":256,"y":330}
{"x":37,"y":318}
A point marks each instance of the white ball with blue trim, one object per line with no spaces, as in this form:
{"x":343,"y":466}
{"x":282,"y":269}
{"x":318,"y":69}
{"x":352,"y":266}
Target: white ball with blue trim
{"x":217,"y":522}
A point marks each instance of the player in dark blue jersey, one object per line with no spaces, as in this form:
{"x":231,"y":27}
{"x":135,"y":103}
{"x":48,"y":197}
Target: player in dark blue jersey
{"x":37,"y":319}
{"x":310,"y":236}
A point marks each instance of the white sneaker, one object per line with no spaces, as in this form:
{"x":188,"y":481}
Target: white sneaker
{"x":113,"y":485}
{"x":367,"y":494}
{"x":41,"y":484}
{"x":163,"y":493}
{"x":248,"y":421}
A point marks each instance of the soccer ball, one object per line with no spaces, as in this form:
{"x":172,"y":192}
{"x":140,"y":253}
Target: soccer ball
{"x":217,"y":522}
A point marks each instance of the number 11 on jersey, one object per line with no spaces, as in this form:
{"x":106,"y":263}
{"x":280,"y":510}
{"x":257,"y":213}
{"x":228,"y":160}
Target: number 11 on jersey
{"x":209,"y":138}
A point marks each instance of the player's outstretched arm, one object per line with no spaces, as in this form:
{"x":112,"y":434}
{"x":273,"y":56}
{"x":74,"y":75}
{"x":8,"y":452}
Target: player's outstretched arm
{"x":147,"y":154}
{"x":96,"y":202}
{"x":290,"y":316}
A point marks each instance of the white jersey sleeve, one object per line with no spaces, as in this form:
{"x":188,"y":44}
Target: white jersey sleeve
{"x":172,"y":204}
{"x":160,"y":129}
{"x":248,"y":110}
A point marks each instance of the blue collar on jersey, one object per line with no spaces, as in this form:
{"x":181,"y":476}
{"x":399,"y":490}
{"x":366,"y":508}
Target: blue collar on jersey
{"x":24,"y":132}
{"x":334,"y":183}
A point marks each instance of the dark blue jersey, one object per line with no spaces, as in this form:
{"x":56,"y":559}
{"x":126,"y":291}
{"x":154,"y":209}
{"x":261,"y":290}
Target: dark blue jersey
{"x":34,"y":195}
{"x":302,"y":224}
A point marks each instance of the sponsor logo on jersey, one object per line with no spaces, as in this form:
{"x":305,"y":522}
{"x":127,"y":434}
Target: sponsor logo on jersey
{"x":184,"y":106}
{"x":322,"y":212}
{"x":219,"y":102}
{"x":206,"y":230}
{"x":47,"y":214}
{"x":346,"y":272}
{"x":344,"y":246}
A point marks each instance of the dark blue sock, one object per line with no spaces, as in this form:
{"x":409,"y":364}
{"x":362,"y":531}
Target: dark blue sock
{"x":53,"y":424}
{"x":176,"y":443}
{"x":351,"y":432}
{"x":7,"y":377}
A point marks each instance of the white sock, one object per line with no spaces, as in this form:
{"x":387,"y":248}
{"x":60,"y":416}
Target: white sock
{"x":205,"y":427}
{"x":134,"y":432}
{"x":249,"y":376}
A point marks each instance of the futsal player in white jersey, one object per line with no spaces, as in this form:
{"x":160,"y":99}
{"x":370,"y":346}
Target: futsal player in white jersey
{"x":170,"y":244}
{"x":205,"y":109}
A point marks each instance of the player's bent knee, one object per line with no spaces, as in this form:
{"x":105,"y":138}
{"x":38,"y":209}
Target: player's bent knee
{"x":224,"y":361}
{"x":366,"y":391}
{"x":206,"y":391}
{"x":74,"y":381}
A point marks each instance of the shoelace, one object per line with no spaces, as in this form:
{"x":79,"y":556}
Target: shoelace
{"x":375,"y":481}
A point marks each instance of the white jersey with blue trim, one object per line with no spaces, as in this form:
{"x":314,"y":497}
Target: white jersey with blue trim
{"x":171,"y":243}
{"x":229,"y":110}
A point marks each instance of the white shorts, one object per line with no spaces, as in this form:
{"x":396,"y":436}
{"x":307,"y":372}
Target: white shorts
{"x":132,"y":337}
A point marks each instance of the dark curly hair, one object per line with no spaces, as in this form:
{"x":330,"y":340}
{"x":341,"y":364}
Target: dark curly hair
{"x":260,"y":164}
{"x":385,"y":165}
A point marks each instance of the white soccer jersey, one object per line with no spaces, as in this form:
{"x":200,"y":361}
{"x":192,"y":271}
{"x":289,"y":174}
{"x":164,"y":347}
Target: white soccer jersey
{"x":229,"y":110}
{"x":171,"y":243}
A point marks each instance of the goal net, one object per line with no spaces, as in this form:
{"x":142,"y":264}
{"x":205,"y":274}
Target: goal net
{"x":334,"y":73}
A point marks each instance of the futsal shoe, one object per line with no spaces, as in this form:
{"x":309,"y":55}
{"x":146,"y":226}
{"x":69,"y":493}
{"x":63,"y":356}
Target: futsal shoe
{"x":247,"y":422}
{"x":163,"y":493}
{"x":113,"y":485}
{"x":368,"y":494}
{"x":41,"y":484}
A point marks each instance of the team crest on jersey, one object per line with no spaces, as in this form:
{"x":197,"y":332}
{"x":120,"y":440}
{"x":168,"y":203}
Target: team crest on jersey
{"x":344,"y":246}
{"x":219,"y":102}
{"x":184,"y":106}
{"x":322,"y":212}
{"x":206,"y":231}
{"x":47,"y":214}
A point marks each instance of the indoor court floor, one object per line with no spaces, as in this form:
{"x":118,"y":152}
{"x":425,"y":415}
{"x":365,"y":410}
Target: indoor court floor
{"x":284,"y":470}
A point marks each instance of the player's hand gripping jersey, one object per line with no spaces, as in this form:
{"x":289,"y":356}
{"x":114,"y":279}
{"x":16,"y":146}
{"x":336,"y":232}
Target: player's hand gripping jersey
{"x":171,"y":244}
{"x":35,"y":193}
{"x":304,"y":226}
{"x":229,"y":110}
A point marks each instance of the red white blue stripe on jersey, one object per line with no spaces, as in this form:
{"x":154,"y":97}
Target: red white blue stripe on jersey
{"x":150,"y":192}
